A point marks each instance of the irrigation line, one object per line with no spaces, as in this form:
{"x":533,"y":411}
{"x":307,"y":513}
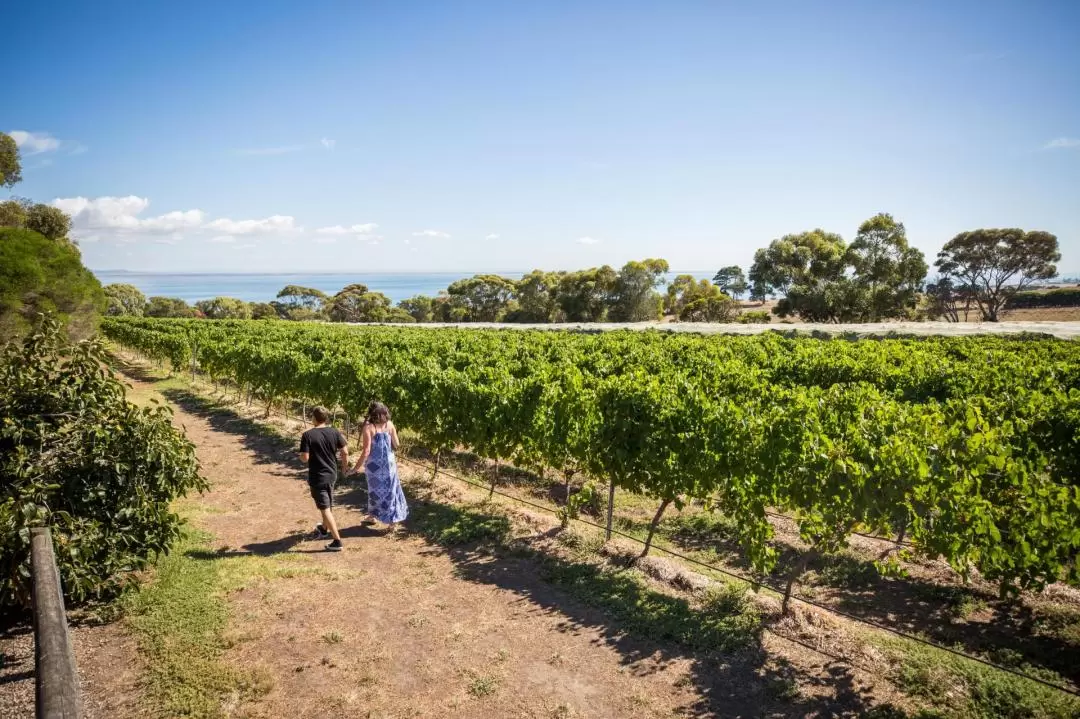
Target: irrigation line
{"x":759,"y":584}
{"x":902,"y":543}
{"x":764,"y":585}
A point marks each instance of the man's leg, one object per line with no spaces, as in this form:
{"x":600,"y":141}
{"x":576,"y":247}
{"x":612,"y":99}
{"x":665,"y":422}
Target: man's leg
{"x":329,"y":524}
{"x":324,"y":502}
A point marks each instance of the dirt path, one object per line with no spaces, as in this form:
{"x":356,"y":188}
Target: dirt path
{"x":393,"y":627}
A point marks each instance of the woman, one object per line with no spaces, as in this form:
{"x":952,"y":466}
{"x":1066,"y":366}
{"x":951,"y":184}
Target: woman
{"x":386,"y":501}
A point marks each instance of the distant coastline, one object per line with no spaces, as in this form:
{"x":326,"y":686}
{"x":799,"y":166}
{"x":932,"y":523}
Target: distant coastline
{"x":264,"y":286}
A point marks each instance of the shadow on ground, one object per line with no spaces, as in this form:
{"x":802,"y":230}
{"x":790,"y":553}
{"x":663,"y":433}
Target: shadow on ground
{"x":649,"y":629}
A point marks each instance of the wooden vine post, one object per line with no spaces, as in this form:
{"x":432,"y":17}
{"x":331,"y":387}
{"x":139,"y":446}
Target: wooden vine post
{"x":494,"y":481}
{"x":653,"y":525}
{"x":610,"y":509}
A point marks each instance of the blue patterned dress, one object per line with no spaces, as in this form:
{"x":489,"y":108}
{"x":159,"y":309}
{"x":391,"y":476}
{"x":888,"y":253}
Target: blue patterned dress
{"x":386,"y":501}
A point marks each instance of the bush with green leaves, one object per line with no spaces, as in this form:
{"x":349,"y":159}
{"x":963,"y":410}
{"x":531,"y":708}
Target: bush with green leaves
{"x":76,"y":456}
{"x":751,"y":317}
{"x":39,"y":275}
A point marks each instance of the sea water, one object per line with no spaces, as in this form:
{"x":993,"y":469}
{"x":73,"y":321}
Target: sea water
{"x":192,"y":287}
{"x":251,"y":287}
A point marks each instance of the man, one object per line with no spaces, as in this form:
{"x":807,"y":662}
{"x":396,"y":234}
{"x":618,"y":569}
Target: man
{"x":320,"y":448}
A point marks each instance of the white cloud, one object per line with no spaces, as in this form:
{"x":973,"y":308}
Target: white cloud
{"x":328,"y":143}
{"x":274,"y":223}
{"x":121,"y":213}
{"x":1062,"y":143}
{"x":31,"y":143}
{"x":119,"y":219}
{"x":245,"y":246}
{"x":492,"y":236}
{"x":588,"y":241}
{"x":326,"y":239}
{"x":282,"y":150}
{"x":174,"y":221}
{"x":438,"y":234}
{"x":364,"y":229}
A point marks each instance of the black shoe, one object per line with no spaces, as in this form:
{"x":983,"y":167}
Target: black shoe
{"x":334,"y":546}
{"x":320,"y":532}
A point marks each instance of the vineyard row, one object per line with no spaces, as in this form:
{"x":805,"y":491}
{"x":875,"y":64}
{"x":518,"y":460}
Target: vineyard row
{"x":968,"y":447}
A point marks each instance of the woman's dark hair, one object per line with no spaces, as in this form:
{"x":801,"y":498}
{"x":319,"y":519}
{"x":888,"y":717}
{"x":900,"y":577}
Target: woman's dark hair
{"x":377,"y":413}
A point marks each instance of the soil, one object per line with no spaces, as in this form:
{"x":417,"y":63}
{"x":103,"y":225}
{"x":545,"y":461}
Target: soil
{"x":108,"y":669}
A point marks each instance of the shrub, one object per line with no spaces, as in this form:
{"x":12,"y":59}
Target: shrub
{"x":752,"y":317}
{"x":168,"y":307}
{"x":39,"y":275}
{"x":1063,"y":297}
{"x":720,"y":308}
{"x":124,"y":299}
{"x":76,"y":456}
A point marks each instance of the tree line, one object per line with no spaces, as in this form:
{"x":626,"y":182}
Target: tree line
{"x":599,"y":294}
{"x":816,"y":275}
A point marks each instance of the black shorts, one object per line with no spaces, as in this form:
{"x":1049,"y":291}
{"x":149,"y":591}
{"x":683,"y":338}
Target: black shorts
{"x":323,"y":494}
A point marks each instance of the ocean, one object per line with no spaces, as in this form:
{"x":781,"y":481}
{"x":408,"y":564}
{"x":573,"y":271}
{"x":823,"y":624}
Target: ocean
{"x":192,"y":287}
{"x":250,"y":287}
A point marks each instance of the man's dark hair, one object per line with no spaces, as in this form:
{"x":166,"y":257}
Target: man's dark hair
{"x":320,"y":414}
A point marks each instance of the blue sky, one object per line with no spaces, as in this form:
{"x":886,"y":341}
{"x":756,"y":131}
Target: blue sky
{"x":284,"y":136}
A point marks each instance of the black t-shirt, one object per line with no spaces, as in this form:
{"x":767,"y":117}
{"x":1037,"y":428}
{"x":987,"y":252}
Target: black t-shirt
{"x":322,"y":445}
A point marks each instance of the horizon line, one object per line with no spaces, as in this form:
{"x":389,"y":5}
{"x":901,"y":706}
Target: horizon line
{"x":343,"y":272}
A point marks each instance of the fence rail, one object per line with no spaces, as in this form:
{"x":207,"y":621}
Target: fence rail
{"x":57,"y":691}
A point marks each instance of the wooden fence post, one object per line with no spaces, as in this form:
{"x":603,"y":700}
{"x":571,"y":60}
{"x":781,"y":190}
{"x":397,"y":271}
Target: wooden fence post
{"x":54,"y":658}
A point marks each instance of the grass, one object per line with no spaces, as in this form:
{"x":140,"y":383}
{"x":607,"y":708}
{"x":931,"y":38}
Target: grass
{"x":724,"y":620}
{"x":180,"y":621}
{"x":966,"y":690}
{"x":1059,"y":621}
{"x":452,"y":526}
{"x":483,"y":686}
